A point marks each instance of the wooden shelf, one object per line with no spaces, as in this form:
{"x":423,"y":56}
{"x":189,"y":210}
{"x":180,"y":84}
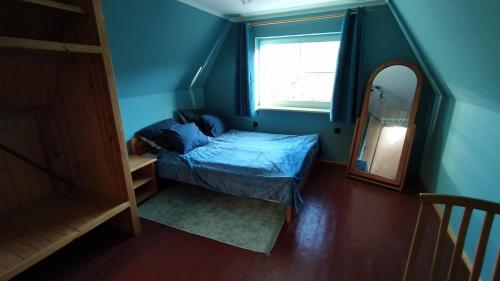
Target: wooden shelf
{"x":56,"y":5}
{"x":39,"y":228}
{"x":137,"y":162}
{"x":52,"y":56}
{"x":143,"y":173}
{"x":144,"y":193}
{"x":13,"y":42}
{"x":139,"y":180}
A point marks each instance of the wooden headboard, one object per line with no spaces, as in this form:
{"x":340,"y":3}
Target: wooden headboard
{"x":140,"y":147}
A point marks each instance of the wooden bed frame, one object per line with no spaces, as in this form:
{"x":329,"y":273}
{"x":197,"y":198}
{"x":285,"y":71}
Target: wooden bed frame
{"x":140,"y":147}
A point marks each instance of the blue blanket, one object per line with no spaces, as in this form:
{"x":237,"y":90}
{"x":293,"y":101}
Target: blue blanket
{"x":248,"y":164}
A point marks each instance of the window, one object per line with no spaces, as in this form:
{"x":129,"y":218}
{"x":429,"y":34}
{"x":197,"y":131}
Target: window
{"x":296,"y":71}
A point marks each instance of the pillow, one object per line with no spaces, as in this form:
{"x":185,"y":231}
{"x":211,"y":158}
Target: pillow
{"x":212,"y":125}
{"x":153,"y":134}
{"x":184,"y":138}
{"x":190,"y":115}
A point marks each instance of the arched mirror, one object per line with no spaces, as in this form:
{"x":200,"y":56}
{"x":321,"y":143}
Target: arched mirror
{"x":384,"y":132}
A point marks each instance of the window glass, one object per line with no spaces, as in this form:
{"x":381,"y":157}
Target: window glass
{"x":296,"y":71}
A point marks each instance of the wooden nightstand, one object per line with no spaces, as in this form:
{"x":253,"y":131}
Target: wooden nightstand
{"x":142,"y":169}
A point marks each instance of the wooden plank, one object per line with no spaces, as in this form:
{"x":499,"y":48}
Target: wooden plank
{"x":8,"y":194}
{"x":103,"y":217}
{"x":13,"y":42}
{"x":9,"y":260}
{"x":80,"y":90}
{"x":57,"y":5}
{"x":21,"y":265}
{"x":289,"y":214}
{"x":137,"y":161}
{"x":480,"y":204}
{"x":25,"y":237}
{"x":132,"y":223}
{"x":15,"y":70}
{"x":45,"y":229}
{"x":21,"y":182}
{"x":144,"y":194}
{"x":496,"y":273}
{"x":15,"y":247}
{"x":144,"y":177}
{"x":32,"y":21}
{"x":78,"y":214}
{"x":34,"y":231}
{"x":67,"y":222}
{"x":459,"y":244}
{"x":417,"y":240}
{"x":87,"y":108}
{"x":481,"y":247}
{"x":56,"y":147}
{"x":442,"y":233}
{"x":141,"y":180}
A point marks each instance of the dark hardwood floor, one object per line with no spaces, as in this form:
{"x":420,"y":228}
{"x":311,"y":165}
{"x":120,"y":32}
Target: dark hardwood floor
{"x":348,"y":230}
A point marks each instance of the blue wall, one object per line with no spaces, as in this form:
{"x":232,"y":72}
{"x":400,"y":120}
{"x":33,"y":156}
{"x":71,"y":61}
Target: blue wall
{"x":156,"y":48}
{"x":384,"y":41}
{"x":459,"y":41}
{"x":140,"y":111}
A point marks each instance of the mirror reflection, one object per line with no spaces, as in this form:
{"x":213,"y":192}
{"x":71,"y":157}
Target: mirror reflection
{"x":389,"y":106}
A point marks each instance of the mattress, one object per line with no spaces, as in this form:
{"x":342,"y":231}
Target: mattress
{"x":248,"y":164}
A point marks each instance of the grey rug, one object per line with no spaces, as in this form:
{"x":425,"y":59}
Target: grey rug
{"x":242,"y":222}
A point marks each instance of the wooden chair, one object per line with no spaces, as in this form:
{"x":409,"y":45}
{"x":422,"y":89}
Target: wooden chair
{"x":470,"y":204}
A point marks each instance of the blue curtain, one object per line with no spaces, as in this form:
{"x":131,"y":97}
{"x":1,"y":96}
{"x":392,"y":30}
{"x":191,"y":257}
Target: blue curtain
{"x":245,"y":97}
{"x":347,"y":96}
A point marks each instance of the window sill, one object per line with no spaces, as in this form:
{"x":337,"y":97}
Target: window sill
{"x":294,"y":109}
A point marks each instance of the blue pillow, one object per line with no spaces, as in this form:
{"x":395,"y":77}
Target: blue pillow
{"x":212,"y":125}
{"x":184,"y":138}
{"x":153,"y":134}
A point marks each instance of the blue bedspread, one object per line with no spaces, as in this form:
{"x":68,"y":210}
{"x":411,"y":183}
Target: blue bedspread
{"x":248,"y":164}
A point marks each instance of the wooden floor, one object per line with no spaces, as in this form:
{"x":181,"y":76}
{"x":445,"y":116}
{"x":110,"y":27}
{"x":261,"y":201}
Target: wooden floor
{"x":348,"y":230}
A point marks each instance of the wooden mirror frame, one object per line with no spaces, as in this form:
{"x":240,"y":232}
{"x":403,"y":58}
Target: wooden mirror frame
{"x":399,"y":181}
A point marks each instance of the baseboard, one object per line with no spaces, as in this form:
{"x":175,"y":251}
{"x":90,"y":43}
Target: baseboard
{"x":334,"y":162}
{"x":451,"y":233}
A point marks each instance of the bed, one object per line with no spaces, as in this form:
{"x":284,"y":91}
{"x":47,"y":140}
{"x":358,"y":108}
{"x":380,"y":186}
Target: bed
{"x":265,"y":166}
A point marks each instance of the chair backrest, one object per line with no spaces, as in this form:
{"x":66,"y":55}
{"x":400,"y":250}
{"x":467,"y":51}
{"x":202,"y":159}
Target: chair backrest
{"x":470,"y":204}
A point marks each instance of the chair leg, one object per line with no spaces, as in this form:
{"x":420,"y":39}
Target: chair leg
{"x":288,"y":215}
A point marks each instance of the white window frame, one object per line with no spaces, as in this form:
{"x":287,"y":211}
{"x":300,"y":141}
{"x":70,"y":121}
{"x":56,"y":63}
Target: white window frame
{"x":307,"y":106}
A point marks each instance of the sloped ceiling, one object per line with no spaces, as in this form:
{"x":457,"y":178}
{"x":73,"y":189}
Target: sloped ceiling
{"x":460,"y":41}
{"x":237,"y":11}
{"x":157,"y":46}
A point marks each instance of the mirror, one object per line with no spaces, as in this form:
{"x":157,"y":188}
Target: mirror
{"x":384,"y":132}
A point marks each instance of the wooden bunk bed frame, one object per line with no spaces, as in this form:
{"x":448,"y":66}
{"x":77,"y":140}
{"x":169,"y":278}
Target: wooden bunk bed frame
{"x":140,"y":147}
{"x":63,"y":160}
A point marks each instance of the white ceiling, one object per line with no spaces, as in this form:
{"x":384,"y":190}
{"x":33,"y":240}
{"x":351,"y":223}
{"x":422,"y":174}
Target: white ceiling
{"x":235,"y":10}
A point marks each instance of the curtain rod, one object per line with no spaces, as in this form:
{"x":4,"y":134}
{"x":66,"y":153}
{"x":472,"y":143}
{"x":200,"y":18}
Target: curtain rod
{"x":324,"y":17}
